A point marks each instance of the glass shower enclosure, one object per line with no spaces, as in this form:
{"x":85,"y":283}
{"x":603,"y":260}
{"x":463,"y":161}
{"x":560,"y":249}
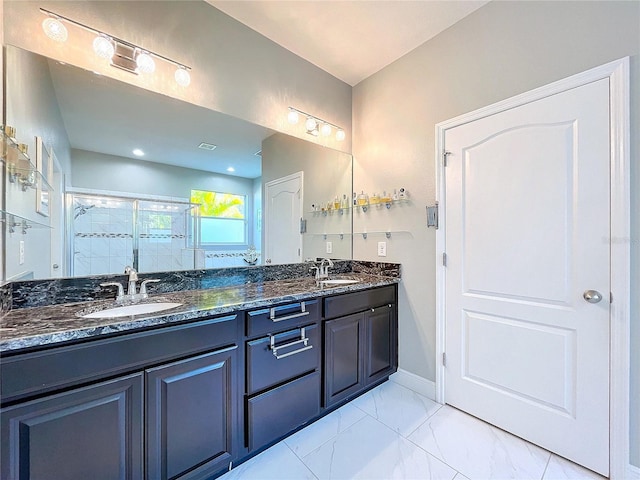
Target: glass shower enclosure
{"x":107,"y":233}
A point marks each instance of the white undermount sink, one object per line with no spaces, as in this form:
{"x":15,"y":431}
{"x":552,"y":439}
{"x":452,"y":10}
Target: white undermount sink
{"x":339,"y":281}
{"x":128,"y":310}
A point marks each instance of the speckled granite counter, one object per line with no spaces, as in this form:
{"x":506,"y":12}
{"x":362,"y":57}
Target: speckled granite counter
{"x":44,"y":326}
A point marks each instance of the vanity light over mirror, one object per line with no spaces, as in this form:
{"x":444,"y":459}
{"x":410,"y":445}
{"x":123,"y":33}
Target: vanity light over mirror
{"x":125,"y":168}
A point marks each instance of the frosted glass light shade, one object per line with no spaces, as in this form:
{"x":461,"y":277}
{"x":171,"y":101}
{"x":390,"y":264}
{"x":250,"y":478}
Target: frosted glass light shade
{"x":311,"y":124}
{"x":103,"y":47}
{"x":325,"y":130}
{"x":54,"y":29}
{"x":293,"y":117}
{"x":182,"y":77}
{"x":340,"y":135}
{"x":145,"y":63}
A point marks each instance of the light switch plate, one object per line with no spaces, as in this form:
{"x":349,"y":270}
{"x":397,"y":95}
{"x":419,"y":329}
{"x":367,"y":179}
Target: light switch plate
{"x":382,"y":249}
{"x":329,"y":247}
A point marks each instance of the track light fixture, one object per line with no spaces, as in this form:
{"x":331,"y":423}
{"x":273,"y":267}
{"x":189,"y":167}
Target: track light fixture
{"x":120,"y":53}
{"x":314,"y":125}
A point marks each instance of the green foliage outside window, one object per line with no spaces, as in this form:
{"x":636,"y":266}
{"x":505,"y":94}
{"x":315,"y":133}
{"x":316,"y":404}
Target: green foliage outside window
{"x":220,"y":205}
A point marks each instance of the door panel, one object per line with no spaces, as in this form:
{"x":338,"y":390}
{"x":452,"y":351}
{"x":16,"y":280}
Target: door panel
{"x":282,"y":212}
{"x":93,"y":432}
{"x":527,"y":228}
{"x":190,"y":416}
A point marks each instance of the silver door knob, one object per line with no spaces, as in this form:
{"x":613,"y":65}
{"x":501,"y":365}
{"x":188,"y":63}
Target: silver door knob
{"x":592,"y":296}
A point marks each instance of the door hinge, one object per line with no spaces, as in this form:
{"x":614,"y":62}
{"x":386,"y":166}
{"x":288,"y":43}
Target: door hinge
{"x":444,"y":359}
{"x":432,"y":215}
{"x":445,"y":154}
{"x":303,"y":225}
{"x":444,"y":259}
{"x":610,"y":297}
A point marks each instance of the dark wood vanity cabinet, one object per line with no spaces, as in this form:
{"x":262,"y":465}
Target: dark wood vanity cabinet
{"x":186,"y":401}
{"x":92,"y":432}
{"x":283,"y":380}
{"x":191,"y":419}
{"x":176,"y":415}
{"x":360,"y":342}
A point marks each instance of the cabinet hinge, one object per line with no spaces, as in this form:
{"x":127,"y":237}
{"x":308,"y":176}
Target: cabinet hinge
{"x":444,"y":259}
{"x":445,"y":154}
{"x":444,"y":359}
{"x":432,"y":215}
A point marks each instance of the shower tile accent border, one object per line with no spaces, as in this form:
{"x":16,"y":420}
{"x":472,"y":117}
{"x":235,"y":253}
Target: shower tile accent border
{"x":40,"y":293}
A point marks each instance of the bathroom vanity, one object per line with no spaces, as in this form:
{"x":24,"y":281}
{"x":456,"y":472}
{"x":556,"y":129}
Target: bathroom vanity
{"x":189,"y":392}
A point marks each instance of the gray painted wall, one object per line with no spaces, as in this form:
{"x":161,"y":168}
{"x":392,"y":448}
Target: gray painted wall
{"x":502,"y":49}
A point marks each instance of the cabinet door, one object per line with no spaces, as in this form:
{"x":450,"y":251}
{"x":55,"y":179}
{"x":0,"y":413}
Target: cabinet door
{"x":344,"y":342}
{"x":92,"y":433}
{"x":381,"y":349}
{"x":192,"y":416}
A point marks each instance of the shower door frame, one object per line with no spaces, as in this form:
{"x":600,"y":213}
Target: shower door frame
{"x":135,"y":228}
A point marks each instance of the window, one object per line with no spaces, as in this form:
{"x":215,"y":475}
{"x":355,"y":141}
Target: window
{"x":222,"y":217}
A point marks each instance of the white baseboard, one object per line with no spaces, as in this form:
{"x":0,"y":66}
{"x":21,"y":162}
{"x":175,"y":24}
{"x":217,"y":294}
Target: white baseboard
{"x":633,"y":472}
{"x":415,"y":382}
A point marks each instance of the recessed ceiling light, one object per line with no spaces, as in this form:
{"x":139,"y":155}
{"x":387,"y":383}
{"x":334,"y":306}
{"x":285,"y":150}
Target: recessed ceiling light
{"x":231,"y":169}
{"x":137,"y":152}
{"x":207,"y":146}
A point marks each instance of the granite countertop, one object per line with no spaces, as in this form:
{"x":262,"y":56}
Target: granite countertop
{"x":44,"y":326}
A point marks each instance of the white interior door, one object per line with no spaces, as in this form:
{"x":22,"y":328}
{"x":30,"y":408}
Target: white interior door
{"x":282,"y":215}
{"x":527,"y":234}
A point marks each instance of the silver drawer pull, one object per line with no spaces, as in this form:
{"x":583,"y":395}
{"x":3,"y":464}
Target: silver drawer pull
{"x":301,"y":313}
{"x":303,"y":339}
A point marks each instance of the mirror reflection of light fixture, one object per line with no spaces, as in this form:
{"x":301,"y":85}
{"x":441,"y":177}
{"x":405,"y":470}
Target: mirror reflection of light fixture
{"x":120,"y":53}
{"x":315,"y":125}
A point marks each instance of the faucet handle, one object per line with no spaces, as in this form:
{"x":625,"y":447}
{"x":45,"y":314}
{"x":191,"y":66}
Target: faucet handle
{"x":116,"y":284}
{"x":133,"y":275}
{"x":143,"y":285}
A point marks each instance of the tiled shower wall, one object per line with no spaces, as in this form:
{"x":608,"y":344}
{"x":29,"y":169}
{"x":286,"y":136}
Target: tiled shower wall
{"x":102,"y":231}
{"x":102,"y":235}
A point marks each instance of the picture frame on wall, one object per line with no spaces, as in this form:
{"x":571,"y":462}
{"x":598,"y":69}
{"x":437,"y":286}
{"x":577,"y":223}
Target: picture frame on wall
{"x":44,"y":166}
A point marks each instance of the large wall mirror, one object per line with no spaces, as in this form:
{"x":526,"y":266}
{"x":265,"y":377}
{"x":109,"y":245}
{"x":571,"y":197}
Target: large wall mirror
{"x":96,"y":204}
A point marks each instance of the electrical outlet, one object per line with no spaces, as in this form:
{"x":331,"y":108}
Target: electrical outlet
{"x":382,"y":249}
{"x":329,"y":247}
{"x":21,"y":252}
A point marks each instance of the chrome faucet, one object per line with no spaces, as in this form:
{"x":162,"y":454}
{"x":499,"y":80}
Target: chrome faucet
{"x":133,"y":278}
{"x":323,"y":271}
{"x":131,"y":288}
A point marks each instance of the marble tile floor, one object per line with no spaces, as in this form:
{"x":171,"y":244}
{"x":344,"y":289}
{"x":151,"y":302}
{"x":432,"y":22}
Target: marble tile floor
{"x":392,"y":432}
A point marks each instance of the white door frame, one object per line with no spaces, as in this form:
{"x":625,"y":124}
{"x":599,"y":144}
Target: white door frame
{"x":618,"y":74}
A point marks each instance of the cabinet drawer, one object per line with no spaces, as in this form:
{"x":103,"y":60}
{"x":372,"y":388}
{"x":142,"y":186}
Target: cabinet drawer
{"x":295,"y":356}
{"x":35,"y":373}
{"x":282,"y":317}
{"x":349,"y":303}
{"x":277,"y":412}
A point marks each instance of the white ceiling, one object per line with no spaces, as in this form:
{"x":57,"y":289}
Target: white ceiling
{"x":104,"y":115}
{"x":349,"y":39}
